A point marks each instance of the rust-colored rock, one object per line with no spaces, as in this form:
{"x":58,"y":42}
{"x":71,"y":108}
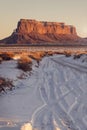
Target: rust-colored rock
{"x":32,"y":31}
{"x":28,"y":26}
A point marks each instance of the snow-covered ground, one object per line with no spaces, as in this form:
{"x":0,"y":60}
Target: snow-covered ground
{"x":53,"y":97}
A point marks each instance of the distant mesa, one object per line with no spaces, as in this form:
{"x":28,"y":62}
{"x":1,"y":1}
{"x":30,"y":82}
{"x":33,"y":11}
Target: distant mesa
{"x":30,"y":31}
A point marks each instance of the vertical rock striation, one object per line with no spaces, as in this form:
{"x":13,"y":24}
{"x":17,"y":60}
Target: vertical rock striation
{"x":28,"y":26}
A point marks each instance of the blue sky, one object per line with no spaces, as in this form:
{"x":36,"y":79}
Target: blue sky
{"x":72,"y":12}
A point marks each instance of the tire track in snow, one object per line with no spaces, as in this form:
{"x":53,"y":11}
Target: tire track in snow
{"x":71,"y":65}
{"x":79,"y":121}
{"x":52,"y":106}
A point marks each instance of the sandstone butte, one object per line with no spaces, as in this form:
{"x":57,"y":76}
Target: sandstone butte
{"x":30,"y":31}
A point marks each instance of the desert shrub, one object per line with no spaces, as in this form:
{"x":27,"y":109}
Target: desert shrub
{"x":50,"y":53}
{"x":77,"y":56}
{"x":5,"y":56}
{"x":25,"y":64}
{"x":67,"y":54}
{"x":5,"y":83}
{"x":37,"y":55}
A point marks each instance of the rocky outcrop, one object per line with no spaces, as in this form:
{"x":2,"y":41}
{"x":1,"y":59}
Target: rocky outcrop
{"x":32,"y":31}
{"x":28,"y":26}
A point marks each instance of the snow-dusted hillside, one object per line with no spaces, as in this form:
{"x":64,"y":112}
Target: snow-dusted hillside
{"x":53,"y":97}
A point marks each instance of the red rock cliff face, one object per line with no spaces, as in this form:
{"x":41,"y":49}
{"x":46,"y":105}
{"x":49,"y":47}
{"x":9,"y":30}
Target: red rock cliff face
{"x":28,"y":26}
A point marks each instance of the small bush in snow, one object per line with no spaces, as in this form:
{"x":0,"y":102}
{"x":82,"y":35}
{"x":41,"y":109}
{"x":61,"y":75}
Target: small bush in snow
{"x":5,"y":84}
{"x":5,"y":56}
{"x":24,"y":64}
{"x":77,"y":56}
